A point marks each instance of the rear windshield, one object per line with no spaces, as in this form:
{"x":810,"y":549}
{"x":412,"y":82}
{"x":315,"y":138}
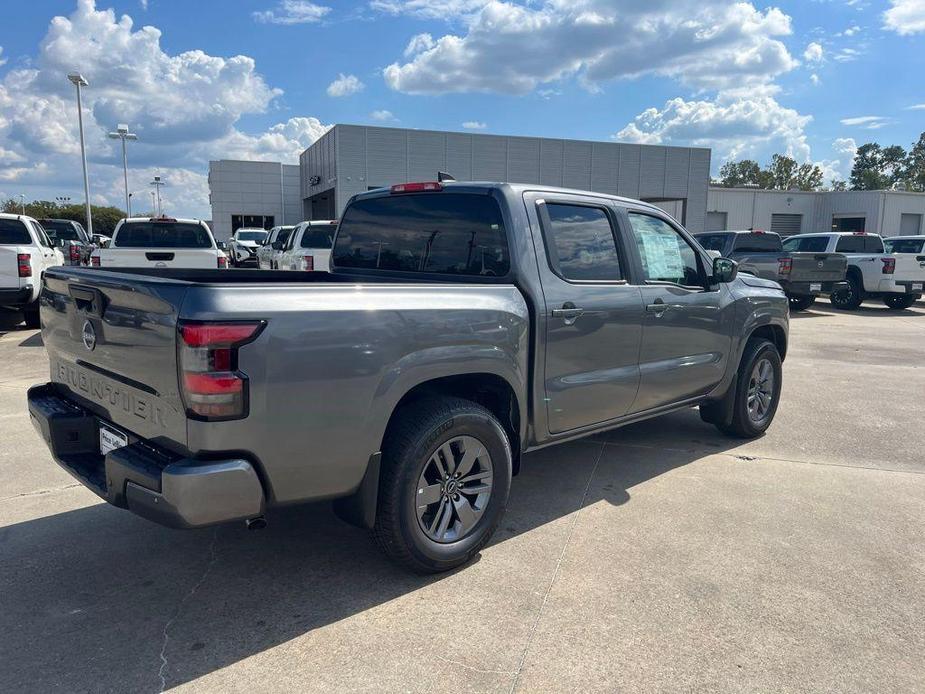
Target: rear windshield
{"x":162,"y":235}
{"x":712,"y":242}
{"x":61,"y":230}
{"x":904,"y":245}
{"x":13,"y":232}
{"x":318,"y":237}
{"x":257,"y":236}
{"x":443,"y":233}
{"x":859,"y":243}
{"x":756,"y":243}
{"x":810,"y":244}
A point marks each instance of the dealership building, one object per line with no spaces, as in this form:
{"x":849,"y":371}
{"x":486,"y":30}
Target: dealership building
{"x":884,"y":212}
{"x":349,"y":159}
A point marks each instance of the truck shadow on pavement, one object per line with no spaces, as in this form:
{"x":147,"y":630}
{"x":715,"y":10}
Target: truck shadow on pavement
{"x":97,"y":599}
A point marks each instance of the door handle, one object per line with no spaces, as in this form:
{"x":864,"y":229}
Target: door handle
{"x":569,"y":313}
{"x":658,"y":307}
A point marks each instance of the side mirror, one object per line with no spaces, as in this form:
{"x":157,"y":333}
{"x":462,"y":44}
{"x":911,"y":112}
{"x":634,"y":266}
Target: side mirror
{"x":724,"y":270}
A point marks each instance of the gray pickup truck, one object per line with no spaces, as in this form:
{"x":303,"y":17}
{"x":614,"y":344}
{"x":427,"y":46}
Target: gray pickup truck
{"x":804,"y":276}
{"x":461,"y":326}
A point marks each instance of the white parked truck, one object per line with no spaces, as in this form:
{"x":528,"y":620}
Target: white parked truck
{"x":872,"y":272}
{"x":25,"y":253}
{"x":161,"y":242}
{"x":309,"y":246}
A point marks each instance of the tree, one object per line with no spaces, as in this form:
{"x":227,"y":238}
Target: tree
{"x":873,"y":167}
{"x":734,"y":174}
{"x":104,"y":218}
{"x":914,"y":173}
{"x":839,"y":185}
{"x":808,"y":177}
{"x":781,"y":171}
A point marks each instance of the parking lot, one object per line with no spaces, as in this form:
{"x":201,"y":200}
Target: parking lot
{"x":658,"y":557}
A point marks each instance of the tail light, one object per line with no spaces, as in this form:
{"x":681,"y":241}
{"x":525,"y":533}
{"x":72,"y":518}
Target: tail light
{"x":889,"y":265}
{"x":212,"y":386}
{"x":222,"y":262}
{"x":23,"y":265}
{"x":784,"y":266}
{"x":308,"y":263}
{"x":95,"y":260}
{"x":426,"y":187}
{"x":74,"y":253}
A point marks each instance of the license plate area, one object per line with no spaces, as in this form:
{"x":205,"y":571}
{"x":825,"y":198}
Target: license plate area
{"x":815,"y":287}
{"x":916,"y":286}
{"x":111,"y":439}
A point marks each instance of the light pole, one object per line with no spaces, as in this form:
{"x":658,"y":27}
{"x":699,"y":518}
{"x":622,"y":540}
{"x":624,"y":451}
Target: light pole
{"x":22,"y":203}
{"x":157,"y":183}
{"x":78,"y":81}
{"x":153,"y":206}
{"x":130,"y":203}
{"x":123,"y":134}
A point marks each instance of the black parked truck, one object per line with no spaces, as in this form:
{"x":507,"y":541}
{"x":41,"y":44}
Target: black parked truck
{"x":803,"y":276}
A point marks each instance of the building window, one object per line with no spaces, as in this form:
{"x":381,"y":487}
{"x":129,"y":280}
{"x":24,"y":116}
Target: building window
{"x":252,"y":221}
{"x":848,"y":223}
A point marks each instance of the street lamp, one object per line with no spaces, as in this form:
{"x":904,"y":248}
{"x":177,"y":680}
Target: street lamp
{"x":157,"y":183}
{"x":123,"y":134}
{"x":78,"y":81}
{"x":63,"y":199}
{"x":153,"y":205}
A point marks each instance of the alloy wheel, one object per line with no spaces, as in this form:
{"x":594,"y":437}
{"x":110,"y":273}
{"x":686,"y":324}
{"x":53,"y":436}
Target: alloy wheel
{"x":760,"y":390}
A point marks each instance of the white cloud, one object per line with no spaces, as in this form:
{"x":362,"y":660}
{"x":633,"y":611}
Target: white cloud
{"x":185,"y":108}
{"x":839,"y":168}
{"x":738,"y":123}
{"x":345,"y":85}
{"x":418,"y":44}
{"x":383,"y":116}
{"x":916,"y":107}
{"x":866,"y":122}
{"x":429,"y":9}
{"x":293,"y":12}
{"x":905,"y":17}
{"x":513,"y":48}
{"x":813,"y":53}
{"x":2,"y":59}
{"x":474,"y":125}
{"x":848,"y":55}
{"x":814,"y":78}
{"x":850,"y":31}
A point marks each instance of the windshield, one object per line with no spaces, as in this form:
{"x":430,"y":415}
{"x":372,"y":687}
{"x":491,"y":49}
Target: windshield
{"x":61,"y":229}
{"x":14,"y":232}
{"x":318,"y":237}
{"x":904,"y":245}
{"x":807,"y":244}
{"x":162,"y":235}
{"x":257,"y":236}
{"x":445,"y":233}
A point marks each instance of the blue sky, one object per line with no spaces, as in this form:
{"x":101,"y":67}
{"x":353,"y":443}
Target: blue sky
{"x":263,"y":78}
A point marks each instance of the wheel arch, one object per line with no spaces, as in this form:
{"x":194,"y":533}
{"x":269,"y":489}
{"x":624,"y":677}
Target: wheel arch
{"x":774,"y":334}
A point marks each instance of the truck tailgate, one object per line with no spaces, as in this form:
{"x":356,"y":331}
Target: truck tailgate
{"x":112,"y":343}
{"x":909,"y":267}
{"x":818,"y":267}
{"x":159,"y":257}
{"x":9,"y":265}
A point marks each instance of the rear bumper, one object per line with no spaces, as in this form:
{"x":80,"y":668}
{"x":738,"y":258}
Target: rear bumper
{"x":813,"y":288}
{"x":910,"y":288}
{"x":173,"y":491}
{"x":16,"y":297}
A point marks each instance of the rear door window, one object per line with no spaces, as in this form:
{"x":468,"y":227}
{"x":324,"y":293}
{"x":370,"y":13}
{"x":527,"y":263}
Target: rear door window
{"x":14,"y":233}
{"x":581,"y":243}
{"x":442,"y":233}
{"x":757,"y":243}
{"x":162,"y":235}
{"x":904,"y":245}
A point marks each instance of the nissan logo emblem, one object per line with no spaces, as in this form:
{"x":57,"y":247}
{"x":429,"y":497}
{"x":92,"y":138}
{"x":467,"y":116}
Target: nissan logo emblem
{"x":89,"y":335}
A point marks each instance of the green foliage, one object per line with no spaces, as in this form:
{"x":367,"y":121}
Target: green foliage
{"x":783,"y":173}
{"x":104,"y":218}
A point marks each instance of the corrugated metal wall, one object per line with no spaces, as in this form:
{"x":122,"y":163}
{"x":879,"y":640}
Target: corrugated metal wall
{"x":371,"y":157}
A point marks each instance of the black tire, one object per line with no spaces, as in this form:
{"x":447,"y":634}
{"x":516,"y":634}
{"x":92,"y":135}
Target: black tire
{"x":801,"y":303}
{"x":898,"y":302}
{"x":743,"y":424}
{"x":848,"y":299}
{"x":420,"y":431}
{"x":31,"y":315}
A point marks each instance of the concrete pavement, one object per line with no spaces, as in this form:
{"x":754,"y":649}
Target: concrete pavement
{"x":659,"y":557}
